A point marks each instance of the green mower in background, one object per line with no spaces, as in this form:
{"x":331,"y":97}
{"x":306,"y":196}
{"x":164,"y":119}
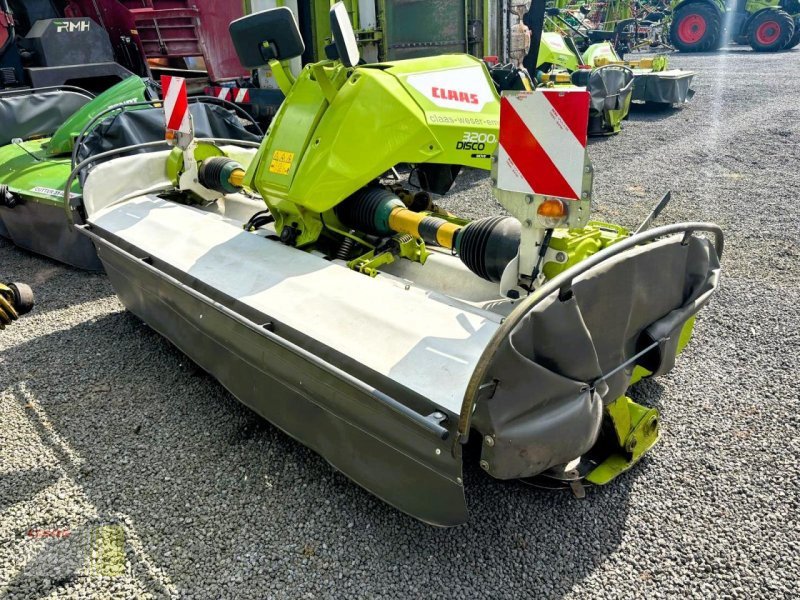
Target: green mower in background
{"x":704,"y":25}
{"x":631,"y":26}
{"x":554,"y":60}
{"x":39,"y":149}
{"x":612,"y":82}
{"x":610,"y":85}
{"x":35,"y":162}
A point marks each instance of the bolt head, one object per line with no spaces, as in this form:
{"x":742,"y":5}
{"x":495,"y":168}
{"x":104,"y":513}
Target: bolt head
{"x":484,"y":465}
{"x":488,"y":440}
{"x":438,"y":451}
{"x":653,"y":425}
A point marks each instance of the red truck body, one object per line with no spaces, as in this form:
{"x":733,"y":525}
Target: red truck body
{"x":169,"y":31}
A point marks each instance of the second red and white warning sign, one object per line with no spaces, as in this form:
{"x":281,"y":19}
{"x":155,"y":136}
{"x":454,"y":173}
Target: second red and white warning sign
{"x":543,"y":138}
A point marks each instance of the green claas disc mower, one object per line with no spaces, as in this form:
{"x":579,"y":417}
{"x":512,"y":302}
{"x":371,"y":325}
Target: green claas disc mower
{"x":653,"y":81}
{"x":610,"y":85}
{"x":578,"y":55}
{"x":767,"y":25}
{"x":327,"y":293}
{"x":16,"y":299}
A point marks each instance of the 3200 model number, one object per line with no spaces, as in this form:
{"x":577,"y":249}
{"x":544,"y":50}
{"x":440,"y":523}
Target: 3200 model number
{"x":473,"y":140}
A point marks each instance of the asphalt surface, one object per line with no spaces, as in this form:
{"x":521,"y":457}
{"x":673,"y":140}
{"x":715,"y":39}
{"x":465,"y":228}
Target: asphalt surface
{"x":106,"y":428}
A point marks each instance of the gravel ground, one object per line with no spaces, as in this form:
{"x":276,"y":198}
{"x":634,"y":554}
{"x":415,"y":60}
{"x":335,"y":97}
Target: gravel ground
{"x":105,"y":427}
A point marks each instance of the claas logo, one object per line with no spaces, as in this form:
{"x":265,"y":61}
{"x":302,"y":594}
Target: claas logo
{"x":70,"y":26}
{"x":455,"y":95}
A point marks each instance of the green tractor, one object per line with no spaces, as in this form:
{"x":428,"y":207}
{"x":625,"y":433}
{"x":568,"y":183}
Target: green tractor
{"x":767,"y":25}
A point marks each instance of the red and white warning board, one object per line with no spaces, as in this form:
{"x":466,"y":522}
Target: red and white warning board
{"x":231,"y":94}
{"x":543,"y":141}
{"x":176,"y":104}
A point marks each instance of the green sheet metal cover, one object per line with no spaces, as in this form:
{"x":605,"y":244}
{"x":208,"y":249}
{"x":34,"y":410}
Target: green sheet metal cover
{"x":133,"y":89}
{"x":23,"y":170}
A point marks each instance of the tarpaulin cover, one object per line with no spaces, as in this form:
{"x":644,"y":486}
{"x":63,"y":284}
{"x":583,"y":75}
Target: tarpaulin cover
{"x":27,"y":115}
{"x":548,"y":404}
{"x":141,"y":126}
{"x":610,"y":88}
{"x":667,"y":87}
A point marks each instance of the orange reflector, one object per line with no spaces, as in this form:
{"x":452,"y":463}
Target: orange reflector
{"x":552,"y":208}
{"x":552,"y":213}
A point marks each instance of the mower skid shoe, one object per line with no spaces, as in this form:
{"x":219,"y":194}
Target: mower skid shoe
{"x":663,"y":87}
{"x":563,"y":356}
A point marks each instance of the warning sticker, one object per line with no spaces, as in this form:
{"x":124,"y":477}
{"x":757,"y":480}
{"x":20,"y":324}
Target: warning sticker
{"x":48,"y":191}
{"x":281,"y":162}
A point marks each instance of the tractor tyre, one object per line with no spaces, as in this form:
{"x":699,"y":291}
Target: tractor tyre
{"x":696,"y":27}
{"x":795,"y":38}
{"x":770,"y":31}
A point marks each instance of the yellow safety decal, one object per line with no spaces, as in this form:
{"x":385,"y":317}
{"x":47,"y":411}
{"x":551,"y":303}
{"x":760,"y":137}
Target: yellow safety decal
{"x":281,"y":162}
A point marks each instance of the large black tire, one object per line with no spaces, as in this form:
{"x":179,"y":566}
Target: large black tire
{"x":796,"y":37}
{"x":770,"y":31}
{"x":696,"y":27}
